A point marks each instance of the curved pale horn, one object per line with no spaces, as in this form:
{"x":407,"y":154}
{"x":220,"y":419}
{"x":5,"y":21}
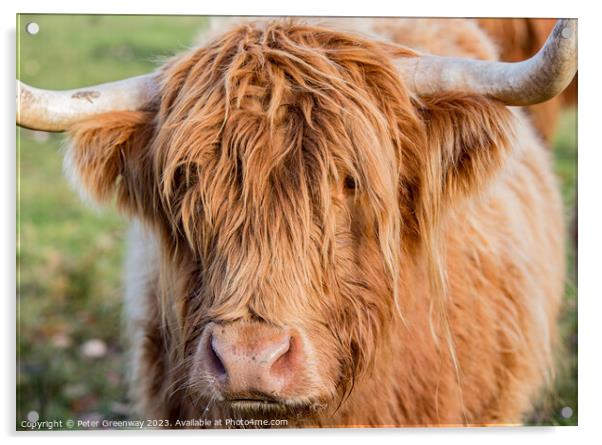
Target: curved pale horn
{"x":532,"y":81}
{"x":48,"y":110}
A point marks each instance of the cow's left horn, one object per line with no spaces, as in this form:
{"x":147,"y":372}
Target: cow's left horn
{"x":532,"y":81}
{"x":48,"y":110}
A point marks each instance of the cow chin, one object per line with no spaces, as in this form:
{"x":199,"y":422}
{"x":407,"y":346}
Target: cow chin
{"x":255,"y":369}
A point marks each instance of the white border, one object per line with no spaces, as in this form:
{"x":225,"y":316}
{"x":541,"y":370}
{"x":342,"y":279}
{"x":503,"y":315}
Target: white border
{"x":457,"y":8}
{"x":590,"y":221}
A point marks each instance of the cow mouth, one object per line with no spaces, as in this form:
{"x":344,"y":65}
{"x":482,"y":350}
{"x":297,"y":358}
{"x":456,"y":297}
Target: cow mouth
{"x":284,"y":407}
{"x":251,"y":404}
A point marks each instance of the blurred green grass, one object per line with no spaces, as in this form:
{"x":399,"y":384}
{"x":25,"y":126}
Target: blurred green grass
{"x":69,"y":256}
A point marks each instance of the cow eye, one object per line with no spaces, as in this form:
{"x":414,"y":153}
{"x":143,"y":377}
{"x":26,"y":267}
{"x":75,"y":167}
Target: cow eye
{"x":349,"y":183}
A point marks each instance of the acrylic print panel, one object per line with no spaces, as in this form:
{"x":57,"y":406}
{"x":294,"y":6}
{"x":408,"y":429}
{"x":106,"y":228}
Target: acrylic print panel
{"x":300,"y":222}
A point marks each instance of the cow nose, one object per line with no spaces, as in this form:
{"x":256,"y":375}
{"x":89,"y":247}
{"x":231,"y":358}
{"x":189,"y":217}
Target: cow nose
{"x":252,"y":361}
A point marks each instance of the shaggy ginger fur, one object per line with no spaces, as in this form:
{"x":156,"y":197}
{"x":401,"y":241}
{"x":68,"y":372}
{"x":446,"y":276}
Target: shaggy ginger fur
{"x":285,"y":175}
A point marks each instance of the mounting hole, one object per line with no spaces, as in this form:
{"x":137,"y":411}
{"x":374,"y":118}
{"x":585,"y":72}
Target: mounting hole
{"x":566,"y":412}
{"x":566,"y":33}
{"x":33,"y":416}
{"x":32,"y":28}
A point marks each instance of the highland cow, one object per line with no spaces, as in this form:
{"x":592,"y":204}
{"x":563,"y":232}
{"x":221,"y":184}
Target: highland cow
{"x":331,"y":227}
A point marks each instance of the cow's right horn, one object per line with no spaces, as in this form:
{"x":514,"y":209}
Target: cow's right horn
{"x":529,"y":82}
{"x":49,"y":110}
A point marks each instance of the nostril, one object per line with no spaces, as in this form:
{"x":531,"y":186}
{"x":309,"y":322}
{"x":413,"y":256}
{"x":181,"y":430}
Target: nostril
{"x":215,"y":360}
{"x":284,"y":363}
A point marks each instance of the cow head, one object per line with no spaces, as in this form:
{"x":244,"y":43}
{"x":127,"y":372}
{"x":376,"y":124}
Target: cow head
{"x":294,"y":175}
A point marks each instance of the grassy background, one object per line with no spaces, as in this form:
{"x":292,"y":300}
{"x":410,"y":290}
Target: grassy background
{"x":70,"y":360}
